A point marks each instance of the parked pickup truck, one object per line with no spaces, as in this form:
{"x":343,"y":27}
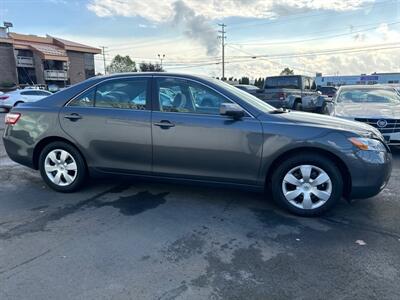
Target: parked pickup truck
{"x":295,"y":92}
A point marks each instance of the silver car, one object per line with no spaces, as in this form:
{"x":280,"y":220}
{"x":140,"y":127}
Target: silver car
{"x":14,"y":98}
{"x":376,"y":105}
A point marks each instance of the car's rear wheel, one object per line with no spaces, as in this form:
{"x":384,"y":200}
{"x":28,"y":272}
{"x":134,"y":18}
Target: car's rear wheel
{"x":62,"y":167}
{"x":307,"y":184}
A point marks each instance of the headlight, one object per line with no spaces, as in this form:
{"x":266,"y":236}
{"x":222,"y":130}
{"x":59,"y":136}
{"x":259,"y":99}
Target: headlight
{"x":367,"y":144}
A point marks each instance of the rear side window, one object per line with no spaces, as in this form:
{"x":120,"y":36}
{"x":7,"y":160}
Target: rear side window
{"x":84,"y":100}
{"x":120,"y":94}
{"x":291,"y":82}
{"x":43,"y":93}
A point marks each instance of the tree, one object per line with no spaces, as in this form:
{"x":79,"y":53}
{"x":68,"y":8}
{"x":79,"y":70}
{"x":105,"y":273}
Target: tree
{"x":150,"y":67}
{"x":244,"y":80}
{"x":287,"y":71}
{"x":121,"y":64}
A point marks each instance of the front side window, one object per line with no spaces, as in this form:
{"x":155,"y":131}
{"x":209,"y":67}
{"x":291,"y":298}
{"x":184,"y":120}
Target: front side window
{"x":119,"y":94}
{"x":179,"y":95}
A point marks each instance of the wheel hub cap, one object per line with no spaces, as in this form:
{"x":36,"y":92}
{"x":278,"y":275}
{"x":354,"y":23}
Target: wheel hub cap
{"x":307,"y":187}
{"x":60,"y":167}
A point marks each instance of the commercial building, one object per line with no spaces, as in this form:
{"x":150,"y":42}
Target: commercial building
{"x":375,"y":78}
{"x":31,"y":59}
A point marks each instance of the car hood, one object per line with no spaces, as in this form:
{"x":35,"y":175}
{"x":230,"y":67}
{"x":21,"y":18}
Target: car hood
{"x":368,"y":110}
{"x":323,"y":121}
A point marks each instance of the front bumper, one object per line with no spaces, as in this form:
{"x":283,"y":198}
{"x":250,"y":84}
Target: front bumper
{"x":392,"y":139}
{"x":370,"y":172}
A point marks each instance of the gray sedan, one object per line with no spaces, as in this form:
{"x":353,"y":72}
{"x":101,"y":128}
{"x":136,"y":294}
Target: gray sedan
{"x":120,"y":125}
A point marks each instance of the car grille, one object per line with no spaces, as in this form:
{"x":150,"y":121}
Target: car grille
{"x":392,"y":125}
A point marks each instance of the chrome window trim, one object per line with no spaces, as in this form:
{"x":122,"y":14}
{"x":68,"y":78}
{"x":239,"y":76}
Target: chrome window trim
{"x":155,"y":77}
{"x":206,"y":85}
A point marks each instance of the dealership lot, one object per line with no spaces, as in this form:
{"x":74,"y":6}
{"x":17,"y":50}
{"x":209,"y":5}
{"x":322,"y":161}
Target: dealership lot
{"x":130,"y":239}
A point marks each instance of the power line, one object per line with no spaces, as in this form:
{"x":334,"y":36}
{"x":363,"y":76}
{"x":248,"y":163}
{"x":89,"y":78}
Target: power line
{"x":328,"y":51}
{"x":271,"y":61}
{"x":317,"y":38}
{"x":302,"y":15}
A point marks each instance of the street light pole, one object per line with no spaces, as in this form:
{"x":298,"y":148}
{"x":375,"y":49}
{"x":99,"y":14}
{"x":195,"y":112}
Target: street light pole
{"x":161,"y":57}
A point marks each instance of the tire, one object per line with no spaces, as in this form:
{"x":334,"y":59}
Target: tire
{"x":321,"y":198}
{"x":324,"y":109}
{"x":64,"y":159}
{"x":298,"y":106}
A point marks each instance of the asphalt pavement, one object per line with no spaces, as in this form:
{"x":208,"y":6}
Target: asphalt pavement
{"x":128,"y":239}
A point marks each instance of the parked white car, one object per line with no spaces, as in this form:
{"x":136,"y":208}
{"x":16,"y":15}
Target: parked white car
{"x":11,"y":99}
{"x":376,"y":105}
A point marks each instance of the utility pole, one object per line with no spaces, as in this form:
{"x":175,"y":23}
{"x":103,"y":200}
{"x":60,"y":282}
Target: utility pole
{"x":223,"y":38}
{"x":104,"y":58}
{"x":161,"y":57}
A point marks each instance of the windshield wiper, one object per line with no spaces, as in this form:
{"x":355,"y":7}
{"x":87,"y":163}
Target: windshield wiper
{"x":281,"y":110}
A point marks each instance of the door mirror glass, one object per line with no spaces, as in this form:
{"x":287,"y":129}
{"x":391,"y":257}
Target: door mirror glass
{"x":232,"y":110}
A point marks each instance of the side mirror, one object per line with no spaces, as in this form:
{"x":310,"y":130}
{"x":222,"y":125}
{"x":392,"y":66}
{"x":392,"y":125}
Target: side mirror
{"x":231,"y":110}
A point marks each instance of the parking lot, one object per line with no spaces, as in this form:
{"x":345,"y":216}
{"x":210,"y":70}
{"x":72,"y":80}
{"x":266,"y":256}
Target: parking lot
{"x":126,"y":239}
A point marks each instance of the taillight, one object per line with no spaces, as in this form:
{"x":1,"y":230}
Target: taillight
{"x":4,"y":97}
{"x":12,"y":118}
{"x":281,"y":96}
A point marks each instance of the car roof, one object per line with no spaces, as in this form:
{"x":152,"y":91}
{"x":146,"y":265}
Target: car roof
{"x":171,"y":74}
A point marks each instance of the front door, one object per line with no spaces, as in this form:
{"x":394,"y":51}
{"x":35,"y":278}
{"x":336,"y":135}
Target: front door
{"x":192,"y":140}
{"x":110,"y":123}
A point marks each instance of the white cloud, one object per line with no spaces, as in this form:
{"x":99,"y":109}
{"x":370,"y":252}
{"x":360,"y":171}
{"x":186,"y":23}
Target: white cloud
{"x":196,"y":16}
{"x":161,"y":11}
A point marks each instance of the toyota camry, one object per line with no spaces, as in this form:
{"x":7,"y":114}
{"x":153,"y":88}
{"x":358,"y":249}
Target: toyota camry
{"x":162,"y":126}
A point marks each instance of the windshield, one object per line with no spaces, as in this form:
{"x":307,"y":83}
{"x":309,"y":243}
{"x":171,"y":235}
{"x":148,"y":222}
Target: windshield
{"x":252,"y":100}
{"x":370,"y":95}
{"x":291,"y":82}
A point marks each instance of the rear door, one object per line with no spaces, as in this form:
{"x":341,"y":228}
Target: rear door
{"x":110,"y":123}
{"x":192,"y":140}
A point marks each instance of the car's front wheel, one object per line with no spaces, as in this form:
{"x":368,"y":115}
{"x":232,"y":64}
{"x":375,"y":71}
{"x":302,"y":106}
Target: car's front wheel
{"x":62,"y":167}
{"x":307,"y":184}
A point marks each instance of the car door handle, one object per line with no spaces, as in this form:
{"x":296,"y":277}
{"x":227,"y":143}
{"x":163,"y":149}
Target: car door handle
{"x":164,"y":124}
{"x":73,"y":117}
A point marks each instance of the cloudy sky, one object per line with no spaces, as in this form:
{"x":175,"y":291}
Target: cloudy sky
{"x":263,"y":36}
